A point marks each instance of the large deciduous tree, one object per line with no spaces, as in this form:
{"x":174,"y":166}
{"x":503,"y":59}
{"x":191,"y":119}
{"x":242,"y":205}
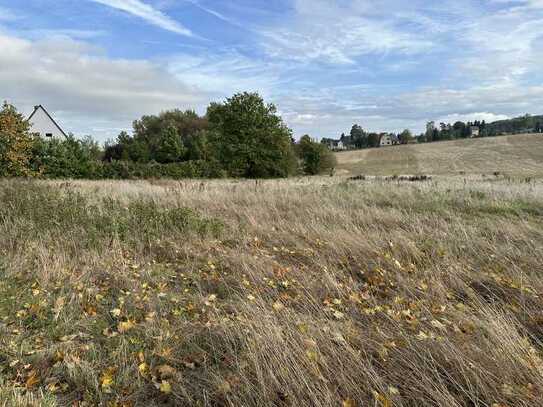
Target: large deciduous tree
{"x":15,"y":143}
{"x":249,"y":139}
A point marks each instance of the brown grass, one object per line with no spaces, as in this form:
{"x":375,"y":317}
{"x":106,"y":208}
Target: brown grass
{"x":307,"y":292}
{"x":518,"y":155}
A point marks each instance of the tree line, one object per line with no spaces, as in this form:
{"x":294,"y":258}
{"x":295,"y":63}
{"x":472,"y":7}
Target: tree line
{"x":240,"y":137}
{"x":358,"y":138}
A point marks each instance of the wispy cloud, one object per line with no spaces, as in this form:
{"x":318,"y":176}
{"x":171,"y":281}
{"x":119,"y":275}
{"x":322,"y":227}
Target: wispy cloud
{"x":147,"y":13}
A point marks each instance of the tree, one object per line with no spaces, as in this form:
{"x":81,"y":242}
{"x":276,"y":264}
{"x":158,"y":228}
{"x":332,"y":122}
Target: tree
{"x":374,"y":140}
{"x":148,"y":143}
{"x":316,"y":158}
{"x":170,"y":148}
{"x":405,"y":137}
{"x":15,"y":143}
{"x":249,"y":139}
{"x":358,"y":136}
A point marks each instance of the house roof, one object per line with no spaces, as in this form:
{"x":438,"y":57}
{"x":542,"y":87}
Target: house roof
{"x":36,"y":108}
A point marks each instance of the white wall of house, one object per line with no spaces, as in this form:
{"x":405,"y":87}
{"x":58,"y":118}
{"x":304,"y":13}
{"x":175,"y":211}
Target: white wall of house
{"x":386,"y":141}
{"x":42,"y":124}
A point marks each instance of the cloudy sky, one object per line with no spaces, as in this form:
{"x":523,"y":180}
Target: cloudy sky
{"x":386,"y":64}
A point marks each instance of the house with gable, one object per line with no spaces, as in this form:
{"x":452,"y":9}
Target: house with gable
{"x":42,"y":123}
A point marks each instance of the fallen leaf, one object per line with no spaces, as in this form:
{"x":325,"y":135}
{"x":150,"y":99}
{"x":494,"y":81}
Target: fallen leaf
{"x":339,"y":315}
{"x":166,"y":371}
{"x":165,"y":387}
{"x":125,"y":326}
{"x":143,"y":368}
{"x":107,"y":380}
{"x":32,"y":380}
{"x":278,"y":306}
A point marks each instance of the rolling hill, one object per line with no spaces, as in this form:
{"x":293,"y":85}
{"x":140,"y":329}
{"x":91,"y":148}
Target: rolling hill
{"x":517,"y":155}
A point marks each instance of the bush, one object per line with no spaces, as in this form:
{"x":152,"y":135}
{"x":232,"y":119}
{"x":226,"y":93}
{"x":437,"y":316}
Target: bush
{"x":316,"y":158}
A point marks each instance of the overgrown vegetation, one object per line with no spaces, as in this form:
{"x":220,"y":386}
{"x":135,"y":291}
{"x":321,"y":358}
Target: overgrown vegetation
{"x":289,"y":292}
{"x":242,"y":137}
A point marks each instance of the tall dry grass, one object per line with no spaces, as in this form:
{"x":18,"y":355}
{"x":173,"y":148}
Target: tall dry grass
{"x":307,"y":292}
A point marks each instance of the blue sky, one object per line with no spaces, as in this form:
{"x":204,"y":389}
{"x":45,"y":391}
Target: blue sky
{"x":385,"y":64}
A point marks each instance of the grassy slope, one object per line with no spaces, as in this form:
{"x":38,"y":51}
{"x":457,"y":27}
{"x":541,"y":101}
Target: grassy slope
{"x":519,"y":155}
{"x":295,"y":293}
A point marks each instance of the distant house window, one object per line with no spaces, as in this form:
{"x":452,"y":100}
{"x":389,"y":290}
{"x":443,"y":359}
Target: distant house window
{"x":48,"y":134}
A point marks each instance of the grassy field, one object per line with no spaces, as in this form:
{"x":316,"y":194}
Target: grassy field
{"x":304,"y":292}
{"x":518,"y":155}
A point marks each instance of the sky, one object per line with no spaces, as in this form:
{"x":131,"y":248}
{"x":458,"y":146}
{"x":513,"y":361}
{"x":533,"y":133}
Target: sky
{"x":97,"y":65}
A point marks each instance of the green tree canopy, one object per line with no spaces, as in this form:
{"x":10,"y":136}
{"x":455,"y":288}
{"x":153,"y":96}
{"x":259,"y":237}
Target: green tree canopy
{"x":249,"y":139}
{"x":316,"y":157}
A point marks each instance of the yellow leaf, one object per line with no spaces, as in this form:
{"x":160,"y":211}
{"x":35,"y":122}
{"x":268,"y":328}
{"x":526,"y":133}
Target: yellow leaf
{"x":278,"y":306}
{"x":165,"y":387}
{"x":383,"y":400}
{"x":312,"y":355}
{"x":143,"y":368}
{"x":107,"y":380}
{"x":125,"y":326}
{"x":116,"y":312}
{"x":349,"y":403}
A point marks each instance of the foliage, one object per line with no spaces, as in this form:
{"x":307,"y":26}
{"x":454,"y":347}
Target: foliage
{"x":316,"y":157}
{"x":15,"y":143}
{"x":359,"y":137}
{"x":249,"y":139}
{"x":405,"y":137}
{"x":66,"y":158}
{"x":171,"y":136}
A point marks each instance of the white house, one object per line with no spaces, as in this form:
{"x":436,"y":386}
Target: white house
{"x":474,"y":131}
{"x":43,"y":124}
{"x":389,"y":140}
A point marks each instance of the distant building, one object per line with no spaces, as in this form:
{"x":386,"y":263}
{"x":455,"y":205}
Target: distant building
{"x":474,"y":131}
{"x":335,"y":144}
{"x":389,"y":140}
{"x":43,"y":124}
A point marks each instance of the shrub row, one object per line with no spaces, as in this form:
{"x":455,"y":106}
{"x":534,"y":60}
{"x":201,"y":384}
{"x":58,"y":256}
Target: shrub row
{"x":130,"y":170}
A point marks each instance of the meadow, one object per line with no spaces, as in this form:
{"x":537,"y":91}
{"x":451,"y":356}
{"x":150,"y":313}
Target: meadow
{"x":303,"y":292}
{"x":516,"y":155}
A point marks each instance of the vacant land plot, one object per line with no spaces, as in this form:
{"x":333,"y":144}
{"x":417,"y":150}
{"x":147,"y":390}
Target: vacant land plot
{"x":293,"y":293}
{"x":518,"y":155}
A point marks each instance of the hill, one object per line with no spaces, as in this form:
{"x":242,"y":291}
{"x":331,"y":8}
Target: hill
{"x":516,"y":155}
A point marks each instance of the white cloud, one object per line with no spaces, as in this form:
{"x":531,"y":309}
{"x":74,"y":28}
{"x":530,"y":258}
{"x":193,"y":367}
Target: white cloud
{"x":470,"y":117}
{"x":147,"y":13}
{"x":89,"y":93}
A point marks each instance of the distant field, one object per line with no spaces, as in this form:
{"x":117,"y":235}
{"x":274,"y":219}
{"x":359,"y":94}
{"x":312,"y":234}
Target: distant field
{"x":519,"y":155}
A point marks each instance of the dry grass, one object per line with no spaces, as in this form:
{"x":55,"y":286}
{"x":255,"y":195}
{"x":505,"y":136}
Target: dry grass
{"x":307,"y":292}
{"x":518,"y":155}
